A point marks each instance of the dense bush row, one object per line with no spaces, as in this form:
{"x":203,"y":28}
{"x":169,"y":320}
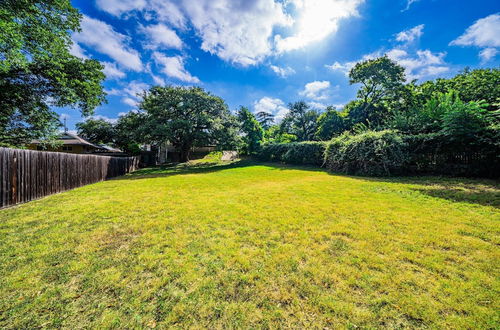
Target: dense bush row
{"x":300,"y":153}
{"x":436,"y":153}
{"x":369,"y":153}
{"x":389,"y":152}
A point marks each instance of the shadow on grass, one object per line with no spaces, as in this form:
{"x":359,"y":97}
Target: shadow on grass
{"x":183,"y":169}
{"x":471,"y":196}
{"x":484,"y":192}
{"x":474,"y":191}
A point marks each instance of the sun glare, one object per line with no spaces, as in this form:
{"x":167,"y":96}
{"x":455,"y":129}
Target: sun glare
{"x":316,"y":20}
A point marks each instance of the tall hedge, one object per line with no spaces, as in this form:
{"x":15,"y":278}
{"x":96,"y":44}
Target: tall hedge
{"x":369,"y":153}
{"x":388,"y":152}
{"x":299,"y":153}
{"x":434,"y":153}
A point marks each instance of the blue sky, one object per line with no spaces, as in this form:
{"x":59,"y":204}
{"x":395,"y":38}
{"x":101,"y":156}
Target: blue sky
{"x":265,"y":53}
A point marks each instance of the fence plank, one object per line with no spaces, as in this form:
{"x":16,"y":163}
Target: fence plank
{"x":27,"y":174}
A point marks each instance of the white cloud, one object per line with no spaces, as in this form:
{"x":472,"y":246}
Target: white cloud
{"x":109,"y":120}
{"x":421,"y":65}
{"x":102,"y":38}
{"x":409,"y":3}
{"x":317,"y":90}
{"x":119,"y":7}
{"x":161,"y":36}
{"x":166,"y":11}
{"x":113,"y":91}
{"x":78,"y":51}
{"x":111,"y":71}
{"x":273,"y":106}
{"x":432,"y":71}
{"x":135,"y":88}
{"x":317,"y":105}
{"x":488,"y":53}
{"x":338,"y":106}
{"x":174,"y":67}
{"x":317,"y":20}
{"x":130,"y":101}
{"x":347,"y":66}
{"x":411,"y":34}
{"x":158,"y":80}
{"x":243,"y":31}
{"x":160,"y":10}
{"x":131,"y":93}
{"x":236,"y":31}
{"x":418,"y":65}
{"x":282,"y":71}
{"x":484,"y":33}
{"x":342,"y":67}
{"x":64,"y":116}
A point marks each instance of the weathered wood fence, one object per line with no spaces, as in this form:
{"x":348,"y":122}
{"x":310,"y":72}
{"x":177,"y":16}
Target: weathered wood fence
{"x":26,"y":175}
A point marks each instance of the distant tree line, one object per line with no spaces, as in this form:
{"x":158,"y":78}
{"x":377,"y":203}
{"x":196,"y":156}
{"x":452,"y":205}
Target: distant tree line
{"x":385,"y":101}
{"x":447,"y":125}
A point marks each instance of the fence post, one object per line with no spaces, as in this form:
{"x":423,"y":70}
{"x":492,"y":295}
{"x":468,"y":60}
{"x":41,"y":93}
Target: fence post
{"x":14,"y":178}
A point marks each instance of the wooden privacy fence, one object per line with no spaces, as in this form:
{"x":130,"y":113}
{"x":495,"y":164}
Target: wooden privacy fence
{"x":26,"y":175}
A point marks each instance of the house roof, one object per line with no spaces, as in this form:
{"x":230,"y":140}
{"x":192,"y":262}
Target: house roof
{"x":108,"y":148}
{"x":68,"y":138}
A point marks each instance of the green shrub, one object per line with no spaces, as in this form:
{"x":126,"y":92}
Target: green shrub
{"x":368,"y":153}
{"x":437,"y":153}
{"x":300,"y":153}
{"x":273,"y":152}
{"x":307,"y":153}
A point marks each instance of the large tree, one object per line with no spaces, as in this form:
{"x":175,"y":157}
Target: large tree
{"x":129,"y":132}
{"x":253,"y":133}
{"x":37,"y":70}
{"x":381,"y":81}
{"x":265,"y":119}
{"x":330,"y":123}
{"x":300,"y":121}
{"x":97,"y":131}
{"x":187,"y":117}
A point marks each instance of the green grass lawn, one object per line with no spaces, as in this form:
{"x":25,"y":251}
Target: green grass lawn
{"x":254,"y":245}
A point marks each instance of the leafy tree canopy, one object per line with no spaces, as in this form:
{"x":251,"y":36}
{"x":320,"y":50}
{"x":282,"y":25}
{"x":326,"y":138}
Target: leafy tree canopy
{"x":265,"y":119}
{"x":187,"y":117}
{"x":253,"y":132}
{"x":381,"y":80}
{"x":37,"y":71}
{"x":471,"y":85}
{"x":330,"y":123}
{"x":97,"y":131}
{"x":300,"y":121}
{"x":276,"y":134}
{"x":129,"y":132}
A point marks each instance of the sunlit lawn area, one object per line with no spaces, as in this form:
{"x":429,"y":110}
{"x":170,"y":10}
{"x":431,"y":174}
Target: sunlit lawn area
{"x":254,"y":245}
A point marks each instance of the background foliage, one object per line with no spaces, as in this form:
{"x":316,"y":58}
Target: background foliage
{"x":38,"y":72}
{"x":300,"y":153}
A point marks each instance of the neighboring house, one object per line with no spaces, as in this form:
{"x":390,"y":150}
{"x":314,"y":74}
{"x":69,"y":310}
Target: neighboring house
{"x":72,"y":143}
{"x":110,"y":151}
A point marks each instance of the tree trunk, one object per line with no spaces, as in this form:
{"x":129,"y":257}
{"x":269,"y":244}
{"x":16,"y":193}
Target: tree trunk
{"x":184,"y":157}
